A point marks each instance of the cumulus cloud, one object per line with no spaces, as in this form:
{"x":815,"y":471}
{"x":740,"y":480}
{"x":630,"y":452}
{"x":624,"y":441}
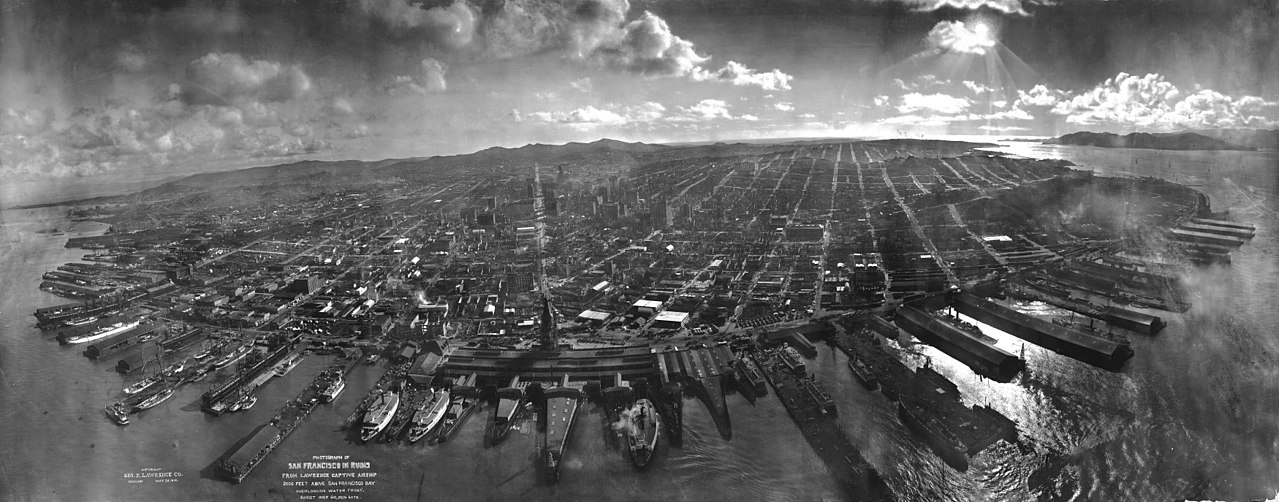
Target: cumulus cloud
{"x":451,"y":26}
{"x":1005,"y":6}
{"x":957,"y":37}
{"x":707,"y":109}
{"x":591,"y":116}
{"x":224,"y":78}
{"x":739,"y":74}
{"x":783,"y":106}
{"x":429,"y":78}
{"x":1152,"y":102}
{"x":939,"y":103}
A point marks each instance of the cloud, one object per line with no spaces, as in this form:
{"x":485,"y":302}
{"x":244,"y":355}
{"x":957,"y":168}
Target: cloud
{"x":955,"y":36}
{"x":591,"y":116}
{"x":1151,"y":101}
{"x":707,"y":109}
{"x":748,"y":117}
{"x":583,"y":84}
{"x":429,"y":78}
{"x":224,"y":78}
{"x":1005,"y":6}
{"x":739,"y":74}
{"x":940,"y":103}
{"x":1040,"y":96}
{"x":783,"y":106}
{"x":451,"y":26}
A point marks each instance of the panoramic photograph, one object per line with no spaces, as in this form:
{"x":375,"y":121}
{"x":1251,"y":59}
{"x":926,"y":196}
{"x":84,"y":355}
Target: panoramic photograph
{"x":633,"y":250}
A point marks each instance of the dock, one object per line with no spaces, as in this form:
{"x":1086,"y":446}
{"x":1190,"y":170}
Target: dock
{"x":1091,"y":349}
{"x":984,"y":358}
{"x":240,"y":460}
{"x":858,"y":479}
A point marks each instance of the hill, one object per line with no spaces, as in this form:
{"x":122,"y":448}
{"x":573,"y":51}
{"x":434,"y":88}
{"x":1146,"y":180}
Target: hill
{"x":1169,"y":141}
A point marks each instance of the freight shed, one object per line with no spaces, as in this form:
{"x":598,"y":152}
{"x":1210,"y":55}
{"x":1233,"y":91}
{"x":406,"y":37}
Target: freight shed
{"x":1087,"y":348}
{"x":985,"y":359}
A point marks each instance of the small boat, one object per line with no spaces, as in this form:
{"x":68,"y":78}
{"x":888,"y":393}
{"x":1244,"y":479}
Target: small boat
{"x":156,"y":399}
{"x":245,"y":403}
{"x":118,"y":414}
{"x":201,"y":355}
{"x":288,"y":364}
{"x":199,"y":375}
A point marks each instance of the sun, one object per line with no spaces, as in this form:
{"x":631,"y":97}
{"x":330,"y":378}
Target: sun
{"x":975,"y":38}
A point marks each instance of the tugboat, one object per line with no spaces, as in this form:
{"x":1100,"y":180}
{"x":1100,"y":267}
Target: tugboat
{"x":645,"y":426}
{"x":118,"y":413}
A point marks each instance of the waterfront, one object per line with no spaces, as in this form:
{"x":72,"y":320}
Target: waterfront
{"x":1190,"y":416}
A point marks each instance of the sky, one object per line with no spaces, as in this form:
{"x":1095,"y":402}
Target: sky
{"x":119,"y":88}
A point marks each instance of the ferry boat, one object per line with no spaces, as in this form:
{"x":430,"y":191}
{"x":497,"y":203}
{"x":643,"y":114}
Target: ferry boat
{"x":642,"y":437}
{"x":142,"y":385}
{"x":793,"y":361}
{"x":379,"y":414}
{"x":155,"y":400}
{"x":333,"y":390}
{"x":101,"y":333}
{"x":288,"y":364}
{"x":427,"y":417}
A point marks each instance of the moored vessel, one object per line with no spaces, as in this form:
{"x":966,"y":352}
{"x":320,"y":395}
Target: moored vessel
{"x":155,"y":399}
{"x":643,"y":426}
{"x":100,"y":333}
{"x":429,"y":415}
{"x":379,"y":414}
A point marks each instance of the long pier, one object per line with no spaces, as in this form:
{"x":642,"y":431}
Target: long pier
{"x":240,"y":460}
{"x":859,"y":480}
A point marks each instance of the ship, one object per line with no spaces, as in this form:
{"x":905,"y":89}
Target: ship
{"x":142,"y":385}
{"x":561,"y":410}
{"x":100,"y":333}
{"x":174,"y":368}
{"x":232,"y":356}
{"x":245,"y":402}
{"x":379,"y":414}
{"x":461,"y":404}
{"x":429,"y":415}
{"x":118,"y":413}
{"x":862,"y":373}
{"x":155,"y":400}
{"x":335,"y":387}
{"x":201,"y":355}
{"x":642,"y":434}
{"x":287,"y":365}
{"x":793,"y":361}
{"x":748,"y":374}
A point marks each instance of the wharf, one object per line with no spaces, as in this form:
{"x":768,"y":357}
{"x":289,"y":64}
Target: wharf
{"x":240,"y":460}
{"x":984,"y":358}
{"x":1091,"y":349}
{"x":929,"y":403}
{"x":859,"y":480}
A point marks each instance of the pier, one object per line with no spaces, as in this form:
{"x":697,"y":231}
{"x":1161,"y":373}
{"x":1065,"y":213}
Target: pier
{"x":859,"y":480}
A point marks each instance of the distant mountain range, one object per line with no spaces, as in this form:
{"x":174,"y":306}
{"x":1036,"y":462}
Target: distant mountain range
{"x":1254,"y":138}
{"x":1167,"y":141}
